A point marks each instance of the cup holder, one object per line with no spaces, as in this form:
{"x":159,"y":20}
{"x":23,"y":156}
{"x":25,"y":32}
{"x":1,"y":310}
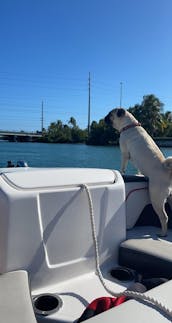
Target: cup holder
{"x":122,"y":274}
{"x":46,"y":304}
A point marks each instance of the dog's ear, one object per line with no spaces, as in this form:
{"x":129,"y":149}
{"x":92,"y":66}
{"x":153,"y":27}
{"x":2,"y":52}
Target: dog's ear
{"x":120,"y":112}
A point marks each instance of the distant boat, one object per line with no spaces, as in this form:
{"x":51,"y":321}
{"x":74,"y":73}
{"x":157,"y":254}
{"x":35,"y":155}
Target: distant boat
{"x":20,"y":163}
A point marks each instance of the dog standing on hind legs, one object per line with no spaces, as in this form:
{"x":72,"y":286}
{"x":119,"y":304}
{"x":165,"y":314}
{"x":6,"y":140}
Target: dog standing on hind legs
{"x":136,"y":145}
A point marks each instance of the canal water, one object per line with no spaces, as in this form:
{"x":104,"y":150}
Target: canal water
{"x":64,"y":155}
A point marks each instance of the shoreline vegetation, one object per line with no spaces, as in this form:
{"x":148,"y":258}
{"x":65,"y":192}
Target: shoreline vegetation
{"x":149,"y":113}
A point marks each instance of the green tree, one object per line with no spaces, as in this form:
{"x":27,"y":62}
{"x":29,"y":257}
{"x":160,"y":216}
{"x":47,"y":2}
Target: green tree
{"x":101,"y":134}
{"x":55,"y":131}
{"x":72,"y":122}
{"x":62,"y":133}
{"x":149,"y":114}
{"x":167,"y":122}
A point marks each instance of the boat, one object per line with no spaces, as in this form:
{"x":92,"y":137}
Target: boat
{"x":70,"y":236}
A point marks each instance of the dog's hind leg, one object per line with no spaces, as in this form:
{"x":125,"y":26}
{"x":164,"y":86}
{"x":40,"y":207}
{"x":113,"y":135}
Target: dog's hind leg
{"x":158,"y":199}
{"x":169,"y":200}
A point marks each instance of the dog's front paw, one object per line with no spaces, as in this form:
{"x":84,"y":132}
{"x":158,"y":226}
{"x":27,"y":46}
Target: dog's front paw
{"x":162,"y":234}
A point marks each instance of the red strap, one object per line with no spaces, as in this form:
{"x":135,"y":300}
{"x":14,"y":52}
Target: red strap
{"x":102,"y":304}
{"x":130,"y":126}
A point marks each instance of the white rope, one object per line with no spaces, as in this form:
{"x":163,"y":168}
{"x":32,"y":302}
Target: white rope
{"x":127,"y":293}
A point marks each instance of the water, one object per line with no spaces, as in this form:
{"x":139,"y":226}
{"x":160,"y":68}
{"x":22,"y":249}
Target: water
{"x":64,"y":155}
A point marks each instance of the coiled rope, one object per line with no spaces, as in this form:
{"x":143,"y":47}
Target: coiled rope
{"x":127,"y":293}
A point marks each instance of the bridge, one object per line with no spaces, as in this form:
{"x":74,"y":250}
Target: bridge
{"x":21,"y":136}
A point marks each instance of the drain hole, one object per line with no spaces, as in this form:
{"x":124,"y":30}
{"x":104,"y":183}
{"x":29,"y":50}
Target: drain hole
{"x":46,"y":304}
{"x":122,"y":274}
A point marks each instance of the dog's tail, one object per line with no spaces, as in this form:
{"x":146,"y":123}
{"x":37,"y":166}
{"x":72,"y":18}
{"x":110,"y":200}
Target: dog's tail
{"x":168,"y":163}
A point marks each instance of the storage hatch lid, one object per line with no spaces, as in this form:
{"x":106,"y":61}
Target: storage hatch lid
{"x":33,"y":178}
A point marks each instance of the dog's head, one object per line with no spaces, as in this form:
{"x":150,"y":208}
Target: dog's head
{"x":115,"y":117}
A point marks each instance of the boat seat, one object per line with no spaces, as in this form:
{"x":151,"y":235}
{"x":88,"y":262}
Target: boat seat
{"x":147,"y":253}
{"x":15,"y":299}
{"x":134,"y":311}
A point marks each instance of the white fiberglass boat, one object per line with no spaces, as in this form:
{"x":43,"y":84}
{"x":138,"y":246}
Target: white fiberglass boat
{"x":71,"y":236}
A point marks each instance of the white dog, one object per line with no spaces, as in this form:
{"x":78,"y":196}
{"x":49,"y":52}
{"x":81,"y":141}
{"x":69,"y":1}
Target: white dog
{"x":136,"y":145}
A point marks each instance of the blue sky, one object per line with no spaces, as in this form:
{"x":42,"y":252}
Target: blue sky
{"x":48,"y":48}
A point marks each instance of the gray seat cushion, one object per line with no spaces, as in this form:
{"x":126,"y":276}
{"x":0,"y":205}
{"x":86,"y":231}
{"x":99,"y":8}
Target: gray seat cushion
{"x":147,"y":253}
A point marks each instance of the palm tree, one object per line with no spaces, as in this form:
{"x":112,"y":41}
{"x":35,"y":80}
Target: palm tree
{"x":149,"y":114}
{"x":72,"y":121}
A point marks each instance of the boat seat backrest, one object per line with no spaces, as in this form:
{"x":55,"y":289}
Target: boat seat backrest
{"x":15,"y":299}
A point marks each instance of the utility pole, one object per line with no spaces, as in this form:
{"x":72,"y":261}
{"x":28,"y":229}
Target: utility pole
{"x":89,"y":102}
{"x":42,"y":116}
{"x":120,"y":101}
